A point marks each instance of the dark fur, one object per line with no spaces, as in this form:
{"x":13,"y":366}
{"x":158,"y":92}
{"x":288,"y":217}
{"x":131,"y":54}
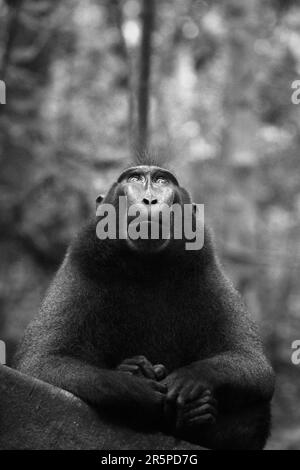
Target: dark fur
{"x":108,"y":303}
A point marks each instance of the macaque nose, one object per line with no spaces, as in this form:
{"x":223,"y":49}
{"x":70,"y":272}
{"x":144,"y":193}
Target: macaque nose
{"x":149,"y":201}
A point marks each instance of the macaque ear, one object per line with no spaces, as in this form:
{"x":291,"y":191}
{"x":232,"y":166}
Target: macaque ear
{"x":99,"y":199}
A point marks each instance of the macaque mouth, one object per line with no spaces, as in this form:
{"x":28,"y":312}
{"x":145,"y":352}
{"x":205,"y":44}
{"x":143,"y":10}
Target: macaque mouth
{"x":152,"y":225}
{"x":151,"y":230}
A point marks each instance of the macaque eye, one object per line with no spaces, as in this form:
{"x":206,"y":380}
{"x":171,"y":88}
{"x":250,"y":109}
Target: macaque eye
{"x":136,"y":179}
{"x":161,"y":180}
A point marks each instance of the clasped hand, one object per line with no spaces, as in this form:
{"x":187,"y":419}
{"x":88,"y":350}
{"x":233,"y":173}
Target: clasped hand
{"x":187,"y":400}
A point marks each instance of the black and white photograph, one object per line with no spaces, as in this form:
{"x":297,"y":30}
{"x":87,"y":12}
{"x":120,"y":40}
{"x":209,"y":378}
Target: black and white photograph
{"x":149,"y":228}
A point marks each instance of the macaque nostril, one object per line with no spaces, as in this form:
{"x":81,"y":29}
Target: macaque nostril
{"x":149,"y":202}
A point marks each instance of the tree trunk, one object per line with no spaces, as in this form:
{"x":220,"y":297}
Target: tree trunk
{"x":116,"y":13}
{"x":148,"y":23}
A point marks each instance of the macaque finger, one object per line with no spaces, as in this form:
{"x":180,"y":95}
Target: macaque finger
{"x":183,"y":395}
{"x":145,"y":366}
{"x":200,"y":411}
{"x":131,"y":369}
{"x":204,"y":400}
{"x":180,"y":402}
{"x":148,"y":372}
{"x":204,"y":419}
{"x":160,"y":371}
{"x":159,"y":387}
{"x":173,"y":393}
{"x":198,"y":392}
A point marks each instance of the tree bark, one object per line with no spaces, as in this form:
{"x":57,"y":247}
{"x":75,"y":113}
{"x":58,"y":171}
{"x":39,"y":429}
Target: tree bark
{"x":144,"y":88}
{"x":115,"y":8}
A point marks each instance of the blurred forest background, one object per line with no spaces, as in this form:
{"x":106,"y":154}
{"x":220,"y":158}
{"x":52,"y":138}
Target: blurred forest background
{"x":207,"y":86}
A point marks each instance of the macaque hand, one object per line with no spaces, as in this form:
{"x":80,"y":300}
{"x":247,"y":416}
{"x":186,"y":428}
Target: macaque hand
{"x":199,"y":411}
{"x":189,"y":401}
{"x":141,"y":367}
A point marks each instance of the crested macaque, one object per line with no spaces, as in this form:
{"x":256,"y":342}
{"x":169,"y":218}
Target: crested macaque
{"x":148,"y":331}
